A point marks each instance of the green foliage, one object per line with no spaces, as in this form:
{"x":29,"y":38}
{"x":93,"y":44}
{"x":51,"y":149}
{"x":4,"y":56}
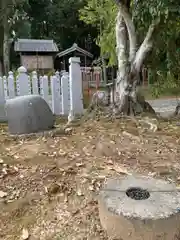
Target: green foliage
{"x":15,"y":74}
{"x":102,"y":14}
{"x":164,"y":61}
{"x":50,"y":73}
{"x":166,"y":83}
{"x":44,"y":19}
{"x":59,"y":20}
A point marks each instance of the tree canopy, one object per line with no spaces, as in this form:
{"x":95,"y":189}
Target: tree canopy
{"x":69,"y":21}
{"x":102,"y":14}
{"x":44,"y":19}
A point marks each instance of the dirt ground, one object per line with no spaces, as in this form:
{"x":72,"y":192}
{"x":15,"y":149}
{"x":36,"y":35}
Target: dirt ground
{"x":49,"y":185}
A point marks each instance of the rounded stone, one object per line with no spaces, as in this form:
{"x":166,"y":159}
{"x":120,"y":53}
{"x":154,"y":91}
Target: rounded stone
{"x":140,"y":208}
{"x":10,"y":73}
{"x":34,"y":73}
{"x":22,"y":69}
{"x":28,"y":114}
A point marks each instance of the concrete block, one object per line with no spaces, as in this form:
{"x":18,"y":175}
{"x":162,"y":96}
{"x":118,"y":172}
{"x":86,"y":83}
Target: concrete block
{"x":28,"y":114}
{"x":140,"y":208}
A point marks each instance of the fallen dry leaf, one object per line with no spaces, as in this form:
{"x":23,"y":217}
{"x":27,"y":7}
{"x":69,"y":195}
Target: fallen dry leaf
{"x":79,"y":193}
{"x":3,"y":194}
{"x":4,"y":170}
{"x":110,"y":162}
{"x":101,"y":177}
{"x":16,"y":169}
{"x":25,"y":234}
{"x":68,"y":130}
{"x":127,"y":134}
{"x":1,"y":161}
{"x":118,"y":169}
{"x":52,"y":188}
{"x":91,"y":188}
{"x":62,"y":153}
{"x":122,"y":170}
{"x":79,"y":164}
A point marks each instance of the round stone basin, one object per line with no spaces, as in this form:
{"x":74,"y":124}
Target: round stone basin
{"x":140,"y":208}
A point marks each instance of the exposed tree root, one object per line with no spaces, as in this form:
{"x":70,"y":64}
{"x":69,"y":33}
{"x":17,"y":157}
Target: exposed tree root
{"x":151,"y":125}
{"x":177,"y":110}
{"x":133,"y":108}
{"x":133,"y":137}
{"x":129,"y":107}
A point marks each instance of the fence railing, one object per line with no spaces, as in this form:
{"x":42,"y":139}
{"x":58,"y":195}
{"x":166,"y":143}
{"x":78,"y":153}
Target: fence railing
{"x":92,"y":77}
{"x":62,"y":91}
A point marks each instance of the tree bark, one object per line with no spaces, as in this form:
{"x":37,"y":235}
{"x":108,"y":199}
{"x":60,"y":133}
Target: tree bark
{"x":129,"y":100}
{"x":1,"y":49}
{"x":5,"y":26}
{"x":6,"y":52}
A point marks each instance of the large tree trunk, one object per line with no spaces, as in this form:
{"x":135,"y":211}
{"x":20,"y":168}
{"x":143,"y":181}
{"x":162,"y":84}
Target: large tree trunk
{"x":1,"y":49}
{"x":128,"y":98}
{"x":6,"y":53}
{"x":5,"y":37}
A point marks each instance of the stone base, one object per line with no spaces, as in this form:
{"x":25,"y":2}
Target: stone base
{"x":124,"y":217}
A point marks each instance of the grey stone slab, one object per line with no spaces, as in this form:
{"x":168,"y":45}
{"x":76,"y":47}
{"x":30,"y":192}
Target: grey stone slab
{"x":28,"y":114}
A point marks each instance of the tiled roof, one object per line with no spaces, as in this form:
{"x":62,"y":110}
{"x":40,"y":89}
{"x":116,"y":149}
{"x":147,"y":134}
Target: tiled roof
{"x":74,"y":48}
{"x":35,"y":45}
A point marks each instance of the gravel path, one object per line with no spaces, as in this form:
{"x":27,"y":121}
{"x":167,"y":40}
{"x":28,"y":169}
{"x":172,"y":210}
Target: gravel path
{"x":164,"y":106}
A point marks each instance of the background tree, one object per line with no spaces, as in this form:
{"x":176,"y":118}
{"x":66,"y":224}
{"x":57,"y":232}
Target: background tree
{"x":118,"y":37}
{"x":9,"y":14}
{"x":44,"y":19}
{"x":60,"y":21}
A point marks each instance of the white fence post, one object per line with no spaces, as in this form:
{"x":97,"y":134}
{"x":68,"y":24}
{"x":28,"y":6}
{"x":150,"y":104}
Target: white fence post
{"x":1,"y":89}
{"x":44,"y":88}
{"x":22,"y":82}
{"x":65,"y":93}
{"x":57,"y":74}
{"x":35,"y":87}
{"x":56,"y":95}
{"x":75,"y":82}
{"x":11,"y":86}
{"x":2,"y":101}
{"x":5,"y":87}
{"x":66,"y":88}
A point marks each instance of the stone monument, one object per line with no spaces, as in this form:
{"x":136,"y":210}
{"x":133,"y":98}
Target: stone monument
{"x":28,"y":114}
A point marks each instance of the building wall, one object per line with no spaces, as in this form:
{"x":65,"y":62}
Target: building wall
{"x":32,"y":62}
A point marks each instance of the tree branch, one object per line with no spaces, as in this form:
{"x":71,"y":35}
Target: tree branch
{"x":121,"y":48}
{"x":131,"y":30}
{"x":121,"y":42}
{"x":145,"y":47}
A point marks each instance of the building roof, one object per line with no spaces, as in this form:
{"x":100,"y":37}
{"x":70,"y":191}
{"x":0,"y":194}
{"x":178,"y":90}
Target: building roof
{"x":74,"y":48}
{"x":35,"y":45}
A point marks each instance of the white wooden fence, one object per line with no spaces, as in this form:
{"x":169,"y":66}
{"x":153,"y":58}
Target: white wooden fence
{"x":63,"y":92}
{"x":92,"y":77}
